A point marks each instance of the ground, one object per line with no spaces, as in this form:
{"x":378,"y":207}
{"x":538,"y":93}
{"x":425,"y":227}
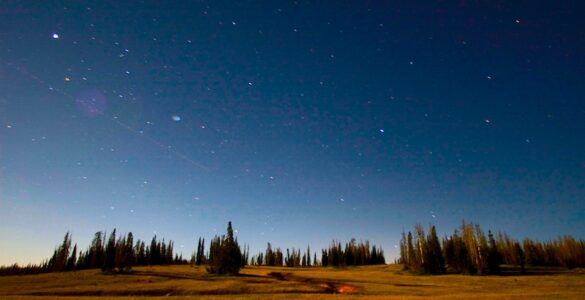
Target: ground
{"x":371,"y":282}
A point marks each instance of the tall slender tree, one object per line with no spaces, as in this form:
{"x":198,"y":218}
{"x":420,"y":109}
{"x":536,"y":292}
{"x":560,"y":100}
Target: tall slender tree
{"x":110,"y":254}
{"x":434,"y":263}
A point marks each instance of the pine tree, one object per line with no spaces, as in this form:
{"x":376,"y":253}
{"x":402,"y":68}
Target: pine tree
{"x":324,"y":258}
{"x":225,"y":254}
{"x":434,"y":263}
{"x":96,"y":252}
{"x":72,"y":261}
{"x":308,"y":256}
{"x":140,"y":253}
{"x":403,"y":250}
{"x":198,"y":253}
{"x":153,"y":253}
{"x":130,"y":255}
{"x":269,"y":256}
{"x":494,"y":258}
{"x":120,"y":260}
{"x":110,"y":254}
{"x":413,"y":263}
{"x":58,"y":261}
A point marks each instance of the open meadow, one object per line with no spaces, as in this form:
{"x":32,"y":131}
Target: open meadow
{"x":370,"y":282}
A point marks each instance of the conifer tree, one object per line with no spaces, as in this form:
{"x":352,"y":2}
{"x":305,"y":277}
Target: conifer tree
{"x":198,"y":254}
{"x":72,"y":261}
{"x":324,"y":258}
{"x":129,"y":254}
{"x":153,"y":253}
{"x":403,"y":250}
{"x":434,"y":262}
{"x":120,"y":260}
{"x":110,"y":254}
{"x":58,"y":262}
{"x":269,"y":256}
{"x":494,"y":258}
{"x":225,"y":254}
{"x":96,"y":253}
{"x":413,"y":263}
{"x":308,"y":256}
{"x":140,"y":253}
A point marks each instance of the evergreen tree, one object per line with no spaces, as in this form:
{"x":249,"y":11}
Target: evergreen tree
{"x":96,"y":252}
{"x":110,"y":253}
{"x":129,"y":254}
{"x":162,"y":253}
{"x":494,"y":258}
{"x":279,"y":258}
{"x":199,"y":252}
{"x":120,"y":260}
{"x":72,"y":261}
{"x":403,"y":250}
{"x":140,"y":254}
{"x":413,"y":263}
{"x":225,"y":254}
{"x":269,"y":256}
{"x":58,"y":261}
{"x":434,"y":262}
{"x":324,"y":258}
{"x":153,"y":253}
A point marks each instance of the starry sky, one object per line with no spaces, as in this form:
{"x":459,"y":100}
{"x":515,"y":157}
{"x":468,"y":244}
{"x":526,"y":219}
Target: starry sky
{"x":301,"y":122}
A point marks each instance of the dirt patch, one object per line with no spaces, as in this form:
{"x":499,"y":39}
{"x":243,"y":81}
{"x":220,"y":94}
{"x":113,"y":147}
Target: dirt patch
{"x":330,"y":287}
{"x":338,"y":288}
{"x":279,"y":275}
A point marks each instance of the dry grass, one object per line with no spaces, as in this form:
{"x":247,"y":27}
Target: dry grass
{"x":374,"y":282}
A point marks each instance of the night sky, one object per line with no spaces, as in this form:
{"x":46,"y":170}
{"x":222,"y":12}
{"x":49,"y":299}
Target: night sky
{"x":301,"y":122}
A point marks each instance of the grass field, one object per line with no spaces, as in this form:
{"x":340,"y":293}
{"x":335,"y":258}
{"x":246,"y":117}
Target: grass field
{"x":372,"y":282}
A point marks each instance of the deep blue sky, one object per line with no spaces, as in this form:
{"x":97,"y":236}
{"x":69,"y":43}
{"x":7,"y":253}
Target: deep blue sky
{"x":300,"y":122}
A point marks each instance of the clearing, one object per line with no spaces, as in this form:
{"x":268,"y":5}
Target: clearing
{"x":370,"y":282}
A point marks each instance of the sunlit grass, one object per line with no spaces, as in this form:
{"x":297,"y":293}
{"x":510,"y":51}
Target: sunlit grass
{"x":371,"y":282}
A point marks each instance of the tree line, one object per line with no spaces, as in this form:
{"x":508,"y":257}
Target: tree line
{"x":116,"y":254}
{"x":225,"y":256}
{"x":469,"y":250}
{"x":353,"y":254}
{"x":276,"y":257}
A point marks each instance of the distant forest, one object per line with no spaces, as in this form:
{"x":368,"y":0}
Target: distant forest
{"x":468,"y":251}
{"x":118,"y":254}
